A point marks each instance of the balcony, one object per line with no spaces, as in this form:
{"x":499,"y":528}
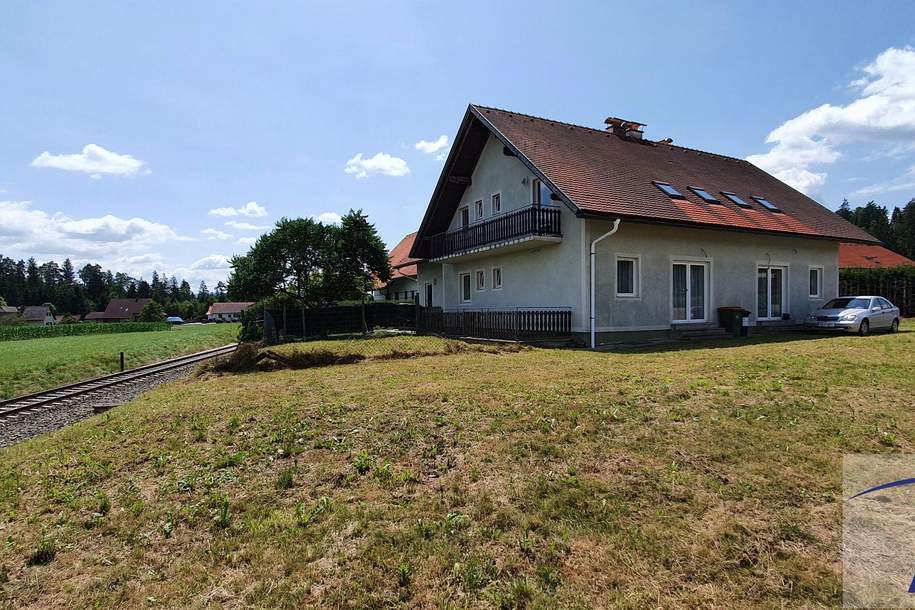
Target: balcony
{"x":518,"y":229}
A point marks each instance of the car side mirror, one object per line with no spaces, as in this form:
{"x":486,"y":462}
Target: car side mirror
{"x":875,"y":309}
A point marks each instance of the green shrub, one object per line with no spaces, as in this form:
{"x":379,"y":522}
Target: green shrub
{"x":16,"y":333}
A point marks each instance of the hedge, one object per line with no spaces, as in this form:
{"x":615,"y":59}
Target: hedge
{"x":894,"y":283}
{"x":15,"y":333}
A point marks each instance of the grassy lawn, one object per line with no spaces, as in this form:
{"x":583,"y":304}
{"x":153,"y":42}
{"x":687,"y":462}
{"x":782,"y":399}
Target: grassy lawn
{"x":705,"y":477}
{"x":37,"y":364}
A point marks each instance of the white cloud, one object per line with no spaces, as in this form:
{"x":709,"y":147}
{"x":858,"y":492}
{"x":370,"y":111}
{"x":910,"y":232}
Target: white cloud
{"x":381,"y":163}
{"x":216,"y":234}
{"x":252,"y":209}
{"x":211,"y":262}
{"x":432,"y":147}
{"x":26,"y":231}
{"x":246,"y":241}
{"x":883,"y":113}
{"x":246,"y":226}
{"x":94,"y":160}
{"x":328,"y":218}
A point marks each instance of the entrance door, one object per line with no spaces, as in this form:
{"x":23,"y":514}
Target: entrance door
{"x":770,"y":293}
{"x":428,"y":295}
{"x":690,"y":292}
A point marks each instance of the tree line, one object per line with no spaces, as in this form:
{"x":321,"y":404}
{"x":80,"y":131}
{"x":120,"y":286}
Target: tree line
{"x":78,"y":291}
{"x":896,"y":229}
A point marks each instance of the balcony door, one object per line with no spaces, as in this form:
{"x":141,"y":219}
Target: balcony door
{"x":689,"y":296}
{"x":770,"y":292}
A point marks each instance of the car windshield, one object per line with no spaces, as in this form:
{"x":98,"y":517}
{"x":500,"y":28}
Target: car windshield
{"x":848,"y":303}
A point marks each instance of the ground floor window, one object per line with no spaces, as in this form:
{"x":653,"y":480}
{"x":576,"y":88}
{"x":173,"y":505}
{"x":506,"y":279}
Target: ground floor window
{"x":465,"y":288}
{"x":815,"y":282}
{"x":627,"y":276}
{"x":690,"y":292}
{"x":770,"y":292}
{"x":496,"y":278}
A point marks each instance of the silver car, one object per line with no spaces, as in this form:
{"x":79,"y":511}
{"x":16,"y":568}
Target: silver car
{"x":856,"y":314}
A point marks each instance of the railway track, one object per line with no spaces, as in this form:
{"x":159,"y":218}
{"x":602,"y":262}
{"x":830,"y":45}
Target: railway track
{"x":23,"y":406}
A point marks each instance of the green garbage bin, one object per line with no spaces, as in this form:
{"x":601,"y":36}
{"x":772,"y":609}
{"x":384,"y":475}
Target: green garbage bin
{"x":734,"y":319}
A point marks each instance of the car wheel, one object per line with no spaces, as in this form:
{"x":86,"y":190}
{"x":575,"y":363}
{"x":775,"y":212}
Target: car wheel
{"x":864,"y":327}
{"x":894,"y":327}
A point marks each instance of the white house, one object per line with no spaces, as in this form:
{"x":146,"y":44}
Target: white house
{"x":227,"y":312}
{"x":676,"y":233}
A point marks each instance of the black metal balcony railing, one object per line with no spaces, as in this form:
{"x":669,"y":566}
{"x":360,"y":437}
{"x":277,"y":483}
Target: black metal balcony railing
{"x":532,"y":220}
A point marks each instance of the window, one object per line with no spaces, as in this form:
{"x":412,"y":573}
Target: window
{"x":540,"y":194}
{"x":627,"y":276}
{"x":884,"y":304}
{"x":766,"y":204}
{"x":496,"y":203}
{"x":481,"y":279}
{"x":704,"y":194}
{"x":465,"y":288}
{"x":737,"y":200}
{"x":669,"y":190}
{"x":689,"y":288}
{"x":465,"y":217}
{"x":497,"y":278}
{"x":478,"y":206}
{"x":428,"y":294}
{"x":815,"y":282}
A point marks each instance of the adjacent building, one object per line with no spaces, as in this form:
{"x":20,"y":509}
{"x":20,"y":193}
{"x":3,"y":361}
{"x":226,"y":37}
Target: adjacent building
{"x":34,"y":315}
{"x":119,"y":310}
{"x":227,"y":312}
{"x":870,"y":256}
{"x":608,"y":231}
{"x":402,"y":286}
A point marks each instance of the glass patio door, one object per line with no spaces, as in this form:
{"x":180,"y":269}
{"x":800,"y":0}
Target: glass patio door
{"x":689,"y":292}
{"x":770,"y":292}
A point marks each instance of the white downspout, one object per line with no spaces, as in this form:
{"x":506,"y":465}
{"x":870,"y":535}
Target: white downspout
{"x":616,"y":225}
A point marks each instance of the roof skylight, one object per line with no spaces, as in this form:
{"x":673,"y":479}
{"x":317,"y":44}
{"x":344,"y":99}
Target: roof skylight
{"x":767,"y":204}
{"x":669,"y":190}
{"x":706,"y":196}
{"x":736,"y":199}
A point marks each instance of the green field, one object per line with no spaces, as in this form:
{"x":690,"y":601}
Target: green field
{"x":37,"y":364}
{"x":698,"y":476}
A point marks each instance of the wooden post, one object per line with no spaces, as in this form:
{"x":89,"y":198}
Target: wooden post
{"x":122,"y":362}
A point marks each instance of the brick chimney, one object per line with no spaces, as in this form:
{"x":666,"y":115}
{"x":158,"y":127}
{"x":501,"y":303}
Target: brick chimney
{"x":625,"y":128}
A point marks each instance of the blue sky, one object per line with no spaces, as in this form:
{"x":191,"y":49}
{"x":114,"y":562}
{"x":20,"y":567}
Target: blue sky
{"x":153,"y":115}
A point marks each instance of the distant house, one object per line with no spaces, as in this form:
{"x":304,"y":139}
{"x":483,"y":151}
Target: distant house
{"x":8,"y":311}
{"x":37,"y":315}
{"x":402,"y":286}
{"x":227,"y":312}
{"x":869,"y":256}
{"x":119,"y":310}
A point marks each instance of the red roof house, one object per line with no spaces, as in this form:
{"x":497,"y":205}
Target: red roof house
{"x":402,"y":285}
{"x":227,"y":312}
{"x":119,"y":310}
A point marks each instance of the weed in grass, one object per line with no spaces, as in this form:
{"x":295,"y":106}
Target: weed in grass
{"x":548,"y":577}
{"x":233,"y":425}
{"x":517,"y":595}
{"x":44,"y":553}
{"x":229,"y":460}
{"x":363,"y":462}
{"x":404,"y":574}
{"x":305,"y":516}
{"x":104,"y":504}
{"x":169,"y":525}
{"x":223,"y":518}
{"x":475,"y":573}
{"x":285,"y":479}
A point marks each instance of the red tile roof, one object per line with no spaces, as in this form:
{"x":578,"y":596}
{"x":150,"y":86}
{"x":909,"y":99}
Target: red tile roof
{"x":227,"y":308}
{"x":402,"y":265}
{"x":120,"y":309}
{"x":869,"y":256}
{"x":607,"y":175}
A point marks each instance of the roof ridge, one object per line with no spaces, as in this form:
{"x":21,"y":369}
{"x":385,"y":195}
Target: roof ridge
{"x":605,"y":132}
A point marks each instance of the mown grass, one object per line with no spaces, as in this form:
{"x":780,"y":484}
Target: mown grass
{"x":679,"y":478}
{"x":37,"y":364}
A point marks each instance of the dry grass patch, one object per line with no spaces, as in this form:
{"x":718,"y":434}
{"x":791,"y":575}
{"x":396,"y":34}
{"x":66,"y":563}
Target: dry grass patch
{"x":700,"y":478}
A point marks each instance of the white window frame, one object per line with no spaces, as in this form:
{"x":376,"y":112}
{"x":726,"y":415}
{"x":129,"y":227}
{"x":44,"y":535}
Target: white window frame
{"x":477,"y":276}
{"x":492,"y":202}
{"x":819,"y":270}
{"x":535,"y":191}
{"x":469,"y":277}
{"x":709,"y":292}
{"x":636,"y":276}
{"x":479,"y":209}
{"x":786,"y":288}
{"x":461,"y":209}
{"x":492,"y":274}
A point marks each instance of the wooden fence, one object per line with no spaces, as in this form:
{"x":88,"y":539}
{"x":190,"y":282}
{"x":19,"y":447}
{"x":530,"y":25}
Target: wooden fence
{"x":497,"y":323}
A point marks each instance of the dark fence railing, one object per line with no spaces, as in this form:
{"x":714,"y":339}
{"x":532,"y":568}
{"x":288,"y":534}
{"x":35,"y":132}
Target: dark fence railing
{"x":496,"y":323}
{"x":533,"y":220}
{"x":282,"y":324}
